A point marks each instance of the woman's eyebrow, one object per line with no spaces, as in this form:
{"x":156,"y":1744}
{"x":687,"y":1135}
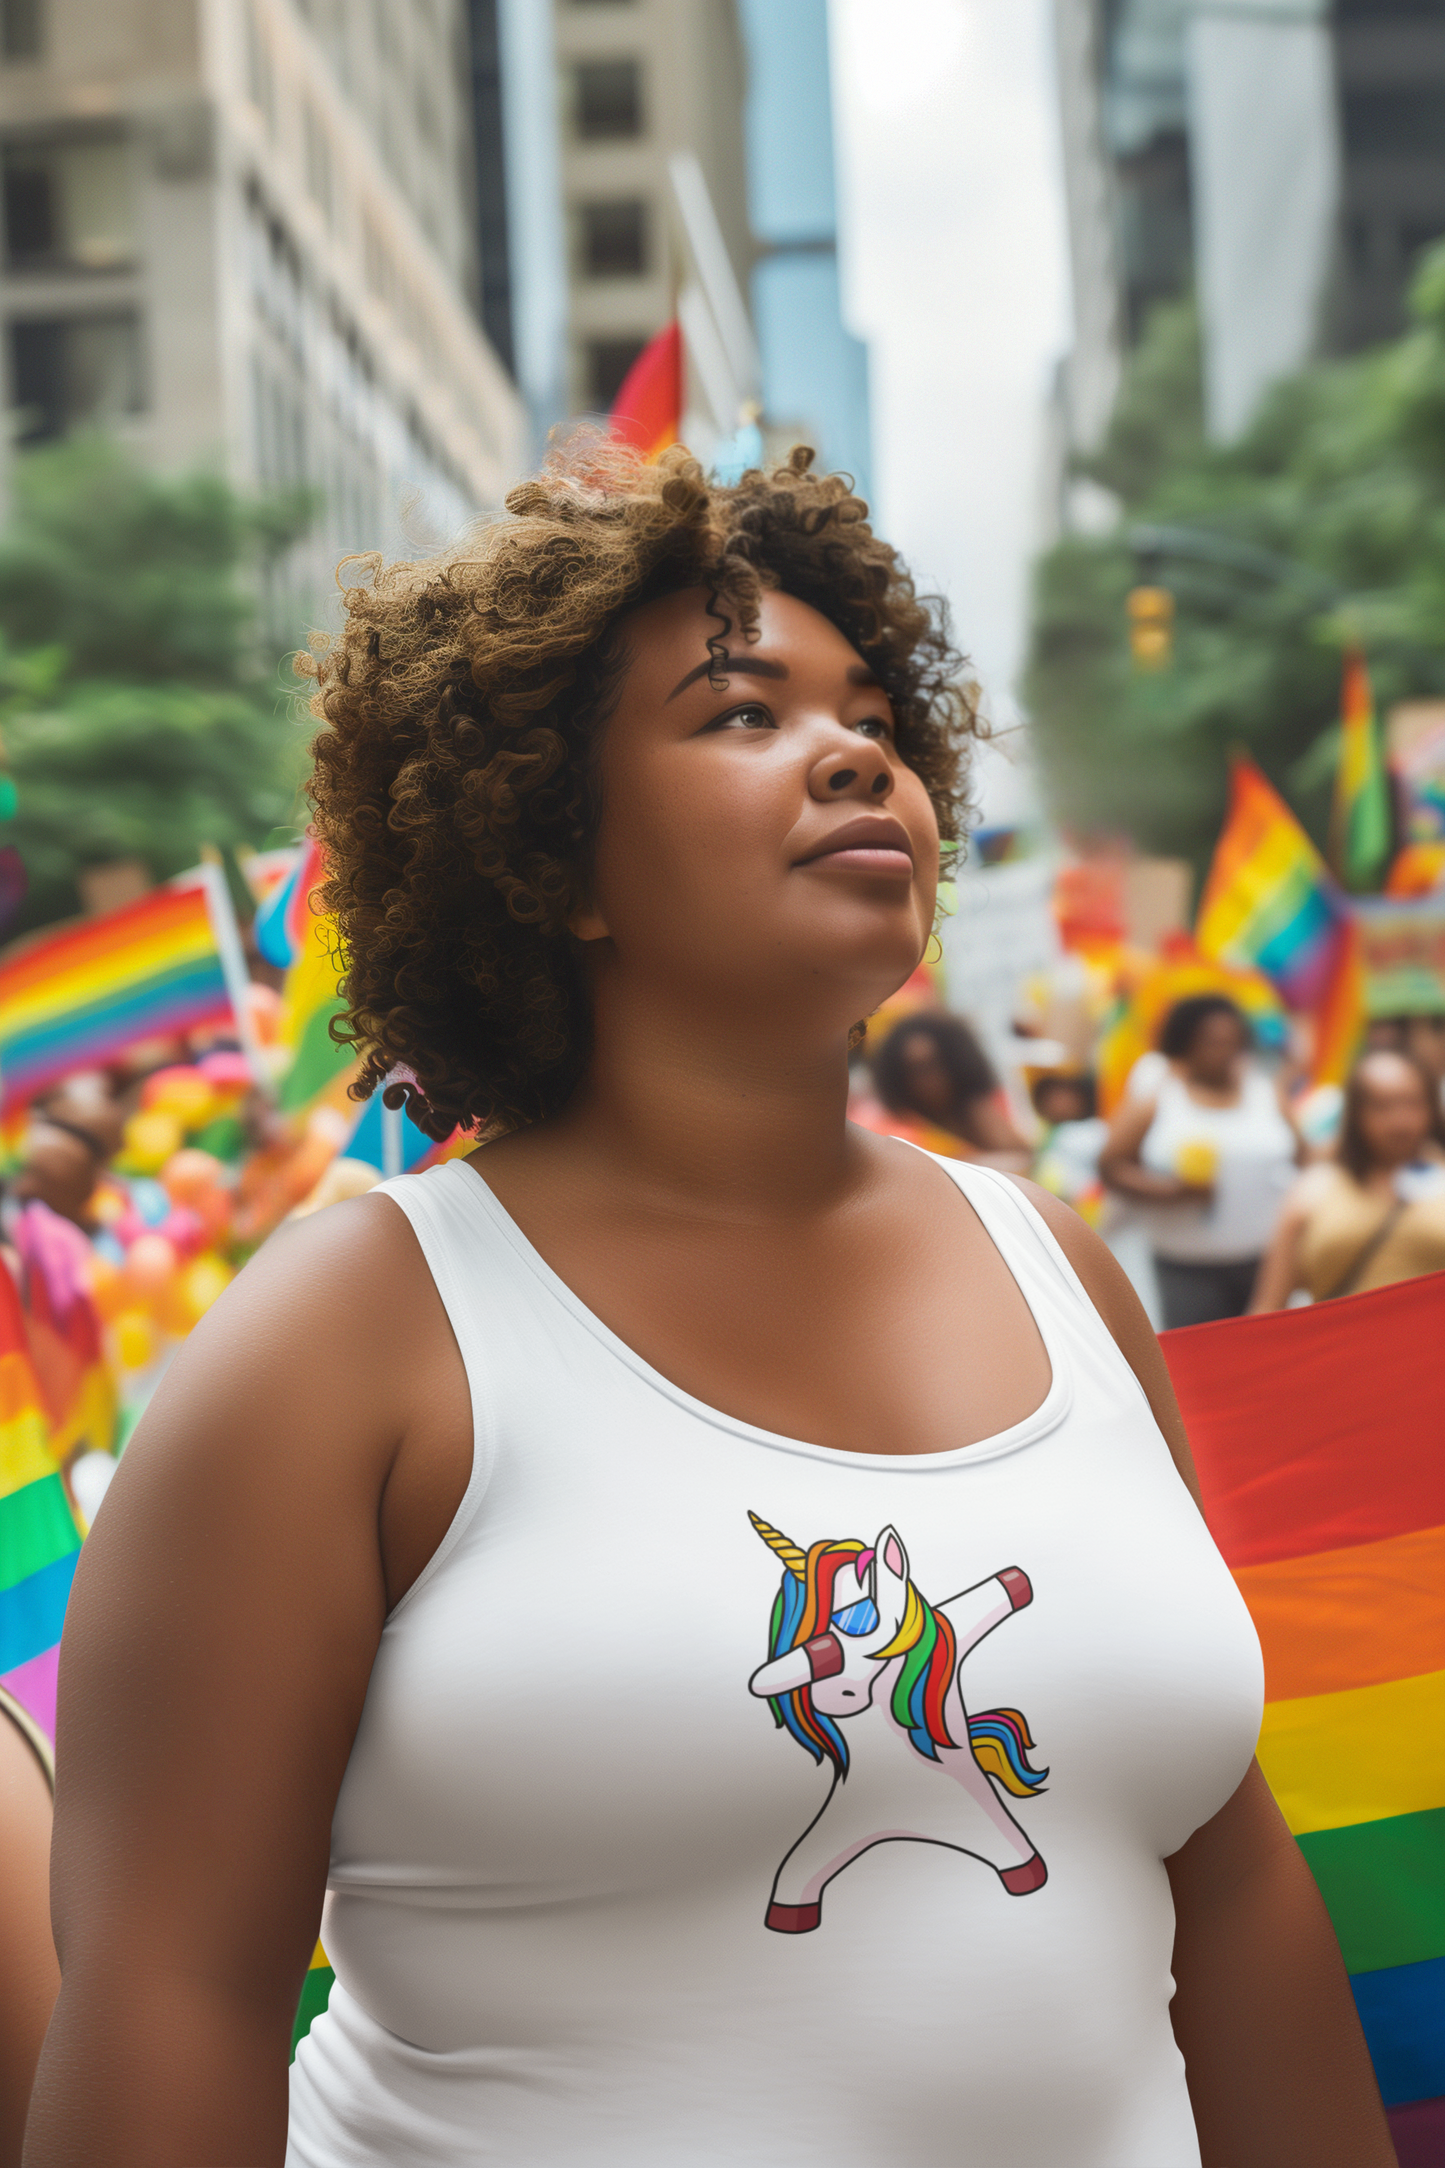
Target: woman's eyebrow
{"x":729,"y":666}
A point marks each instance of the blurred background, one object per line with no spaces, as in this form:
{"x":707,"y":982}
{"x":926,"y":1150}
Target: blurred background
{"x":1128,"y":317}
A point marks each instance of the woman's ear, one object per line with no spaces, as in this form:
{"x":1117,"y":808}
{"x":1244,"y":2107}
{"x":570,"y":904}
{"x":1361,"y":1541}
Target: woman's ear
{"x":585,"y":922}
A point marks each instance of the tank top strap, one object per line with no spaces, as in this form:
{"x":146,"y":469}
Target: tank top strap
{"x":1037,"y":1260}
{"x":469,"y":1271}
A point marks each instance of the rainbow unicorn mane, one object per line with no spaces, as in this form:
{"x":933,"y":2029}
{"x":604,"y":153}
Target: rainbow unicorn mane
{"x":1000,"y":1739}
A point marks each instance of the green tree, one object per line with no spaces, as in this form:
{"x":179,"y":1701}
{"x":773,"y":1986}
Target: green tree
{"x":139,"y":717}
{"x":1324,"y":524}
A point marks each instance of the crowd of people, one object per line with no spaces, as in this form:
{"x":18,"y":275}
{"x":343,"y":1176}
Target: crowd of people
{"x":1242,"y":1205}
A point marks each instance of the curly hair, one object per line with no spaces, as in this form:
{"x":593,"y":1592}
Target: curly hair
{"x":454,"y":786}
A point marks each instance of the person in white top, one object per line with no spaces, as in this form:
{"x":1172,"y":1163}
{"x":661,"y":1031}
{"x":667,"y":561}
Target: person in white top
{"x":709,"y":1597}
{"x":1208,"y":1152}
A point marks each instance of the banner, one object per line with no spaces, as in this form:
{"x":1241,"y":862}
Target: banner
{"x":1402,"y":942}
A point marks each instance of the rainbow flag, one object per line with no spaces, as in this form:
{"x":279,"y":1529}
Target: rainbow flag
{"x":311,"y":995}
{"x":39,"y":1541}
{"x":647,"y":411}
{"x":78,"y":999}
{"x":281,"y":908}
{"x":1360,"y":821}
{"x":1268,"y":900}
{"x":1316,"y":1433}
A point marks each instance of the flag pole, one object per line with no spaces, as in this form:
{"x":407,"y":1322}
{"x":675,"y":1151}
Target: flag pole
{"x":211,"y":877}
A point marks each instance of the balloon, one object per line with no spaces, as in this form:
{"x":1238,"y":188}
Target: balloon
{"x":135,"y":1340}
{"x":149,"y":1141}
{"x":183,"y":1229}
{"x":149,"y":1264}
{"x":182,"y":1092}
{"x":108,"y":1287}
{"x":225,"y":1072}
{"x":149,"y":1199}
{"x":198,"y":1286}
{"x":190,"y":1176}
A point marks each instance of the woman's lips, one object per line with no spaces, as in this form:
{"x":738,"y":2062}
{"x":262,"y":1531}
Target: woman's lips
{"x":863,"y":858}
{"x":868,"y":845}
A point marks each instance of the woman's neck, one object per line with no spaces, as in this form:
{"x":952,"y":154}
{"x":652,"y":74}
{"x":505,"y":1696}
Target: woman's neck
{"x":716,"y":1115}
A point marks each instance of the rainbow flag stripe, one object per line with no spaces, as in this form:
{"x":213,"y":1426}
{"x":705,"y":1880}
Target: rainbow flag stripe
{"x":315,"y":1994}
{"x":1326,"y":1495}
{"x":311,"y":996}
{"x":1360,"y":818}
{"x":80,"y":998}
{"x":39,"y":1541}
{"x":647,"y":411}
{"x":1268,"y":900}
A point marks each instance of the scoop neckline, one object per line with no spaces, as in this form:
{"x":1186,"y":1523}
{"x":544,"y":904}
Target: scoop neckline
{"x":1046,"y":1417}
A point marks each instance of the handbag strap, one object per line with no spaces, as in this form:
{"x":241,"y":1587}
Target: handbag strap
{"x":1355,"y":1270}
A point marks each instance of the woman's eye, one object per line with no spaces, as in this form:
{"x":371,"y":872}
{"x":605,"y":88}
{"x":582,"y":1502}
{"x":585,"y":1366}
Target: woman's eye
{"x":875,"y":726}
{"x":752,"y":716}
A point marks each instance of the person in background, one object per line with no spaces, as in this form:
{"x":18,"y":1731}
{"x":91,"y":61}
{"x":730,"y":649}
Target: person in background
{"x":1376,"y":1213}
{"x":1425,"y":1043}
{"x":29,"y":1971}
{"x":1066,"y":1159}
{"x":933,"y":1068}
{"x":1209,"y":1154}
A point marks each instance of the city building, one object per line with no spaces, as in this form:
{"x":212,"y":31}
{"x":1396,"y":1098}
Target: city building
{"x":245,"y":232}
{"x":814,"y":372}
{"x":643,"y":84}
{"x":1282,"y":159}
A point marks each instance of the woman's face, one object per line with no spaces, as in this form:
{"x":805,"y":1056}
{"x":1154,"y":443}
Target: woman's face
{"x":926,"y":1081}
{"x":761,"y":839}
{"x":1394,"y":1111}
{"x":1214,"y":1053}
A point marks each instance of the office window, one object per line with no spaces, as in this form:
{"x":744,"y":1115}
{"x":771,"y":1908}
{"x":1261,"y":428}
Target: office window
{"x":73,"y":372}
{"x":613,"y":240}
{"x":20,"y":29}
{"x":608,"y":361}
{"x":69,"y":203}
{"x":608,"y":100}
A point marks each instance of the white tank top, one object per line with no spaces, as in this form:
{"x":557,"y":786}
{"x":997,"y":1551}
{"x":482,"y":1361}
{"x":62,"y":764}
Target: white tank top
{"x":1255,"y":1169}
{"x":726,"y":1801}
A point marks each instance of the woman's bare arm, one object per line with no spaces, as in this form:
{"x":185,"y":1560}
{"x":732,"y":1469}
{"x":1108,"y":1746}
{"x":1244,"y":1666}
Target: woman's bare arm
{"x":1278,"y":1275}
{"x":1278,"y":2073}
{"x":225,"y":1616}
{"x":29,"y":1976}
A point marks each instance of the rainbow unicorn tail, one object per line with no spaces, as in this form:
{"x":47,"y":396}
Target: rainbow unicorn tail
{"x":1001,"y":1742}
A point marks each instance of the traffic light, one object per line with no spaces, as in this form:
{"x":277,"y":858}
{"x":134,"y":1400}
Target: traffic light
{"x":1151,"y":627}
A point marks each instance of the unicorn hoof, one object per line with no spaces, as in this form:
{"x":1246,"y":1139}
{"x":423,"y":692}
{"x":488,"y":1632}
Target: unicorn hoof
{"x":1019,"y":1881}
{"x":796,"y":1919}
{"x":1020,"y":1592}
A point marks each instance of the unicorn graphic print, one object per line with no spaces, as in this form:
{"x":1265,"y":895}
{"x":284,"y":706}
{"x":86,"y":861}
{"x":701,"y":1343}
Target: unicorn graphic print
{"x":863,"y":1673}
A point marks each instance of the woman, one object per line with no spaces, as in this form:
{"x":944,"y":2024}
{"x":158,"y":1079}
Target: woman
{"x":1377,"y":1213}
{"x":932,"y":1068}
{"x":28,"y":1973}
{"x":522,"y":1553}
{"x":1209,"y":1153}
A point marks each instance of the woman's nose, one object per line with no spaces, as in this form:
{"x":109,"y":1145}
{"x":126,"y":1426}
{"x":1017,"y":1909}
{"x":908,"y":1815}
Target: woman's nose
{"x":854,"y":770}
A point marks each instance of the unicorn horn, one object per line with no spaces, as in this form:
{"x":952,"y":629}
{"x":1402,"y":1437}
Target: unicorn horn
{"x":795,"y":1560}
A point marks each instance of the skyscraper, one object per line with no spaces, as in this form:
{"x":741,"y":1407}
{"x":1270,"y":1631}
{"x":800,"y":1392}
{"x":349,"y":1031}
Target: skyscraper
{"x":814,"y":372}
{"x":1284,"y":159}
{"x":245,"y":232}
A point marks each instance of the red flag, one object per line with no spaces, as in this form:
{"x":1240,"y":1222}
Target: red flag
{"x":647,"y":411}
